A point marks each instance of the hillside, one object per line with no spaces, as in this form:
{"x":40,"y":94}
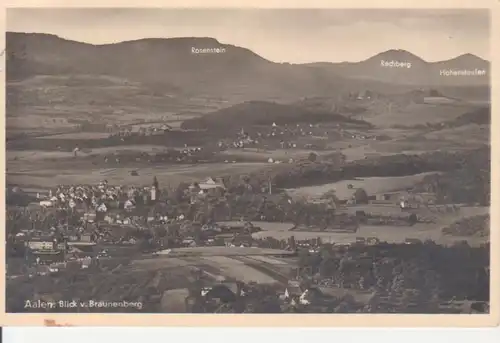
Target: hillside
{"x":85,"y":92}
{"x":169,"y":66}
{"x":480,"y":116}
{"x":414,"y":70}
{"x":264,"y":113}
{"x":365,"y":100}
{"x":403,"y":108}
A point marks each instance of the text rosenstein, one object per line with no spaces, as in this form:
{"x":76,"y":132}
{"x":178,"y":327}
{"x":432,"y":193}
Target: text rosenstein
{"x":207,"y":50}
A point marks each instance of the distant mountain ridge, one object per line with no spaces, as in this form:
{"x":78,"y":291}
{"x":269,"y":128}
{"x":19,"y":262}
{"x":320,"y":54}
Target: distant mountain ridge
{"x":170,"y":63}
{"x":403,"y":67}
{"x":167,"y":63}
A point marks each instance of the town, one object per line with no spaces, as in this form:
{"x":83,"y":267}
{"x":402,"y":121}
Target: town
{"x":294,"y":251}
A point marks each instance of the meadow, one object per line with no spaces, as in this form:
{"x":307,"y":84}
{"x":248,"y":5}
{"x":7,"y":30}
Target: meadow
{"x":44,"y":176}
{"x":372,"y":185}
{"x":391,"y":234}
{"x":416,"y":114}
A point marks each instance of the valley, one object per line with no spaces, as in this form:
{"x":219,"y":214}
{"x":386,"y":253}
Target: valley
{"x":225,"y":168}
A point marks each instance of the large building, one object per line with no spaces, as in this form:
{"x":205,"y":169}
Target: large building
{"x":46,"y":250}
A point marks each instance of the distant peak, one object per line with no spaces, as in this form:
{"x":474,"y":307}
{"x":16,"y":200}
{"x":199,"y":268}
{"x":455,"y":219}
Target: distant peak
{"x":397,"y":55}
{"x":196,"y":39}
{"x":469,"y":56}
{"x":177,"y":40}
{"x":398,"y":52}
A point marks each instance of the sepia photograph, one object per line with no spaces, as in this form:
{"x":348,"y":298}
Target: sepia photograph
{"x":247,"y":160}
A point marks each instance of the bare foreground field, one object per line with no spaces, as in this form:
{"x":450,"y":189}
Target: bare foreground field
{"x":167,"y":276}
{"x":221,"y":263}
{"x":238,"y":270}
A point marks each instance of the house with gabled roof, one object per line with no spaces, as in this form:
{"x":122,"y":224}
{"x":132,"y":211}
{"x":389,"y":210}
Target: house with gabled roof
{"x":211,"y":184}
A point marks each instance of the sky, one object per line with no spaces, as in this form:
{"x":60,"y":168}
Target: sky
{"x":280,"y":35}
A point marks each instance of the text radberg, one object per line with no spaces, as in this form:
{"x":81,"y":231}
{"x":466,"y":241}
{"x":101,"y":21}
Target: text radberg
{"x":395,"y":64}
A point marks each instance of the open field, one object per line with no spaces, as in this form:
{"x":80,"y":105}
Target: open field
{"x":238,"y":270}
{"x":172,"y":300}
{"x":265,"y":226}
{"x":440,"y":218}
{"x":218,"y":264}
{"x":223,"y":251}
{"x":416,"y":142}
{"x":36,"y":122}
{"x":279,"y":272}
{"x":36,"y":175}
{"x":33,"y":155}
{"x":61,"y":121}
{"x":464,"y":137}
{"x":281,"y":154}
{"x":415,"y":114}
{"x":78,"y":135}
{"x":422,"y":145}
{"x":467,"y":134}
{"x":391,"y":234}
{"x":381,"y":149}
{"x":372,"y":185}
{"x":152,"y":264}
{"x":109,"y":98}
{"x":268,"y":260}
{"x":454,"y":139}
{"x":44,"y":155}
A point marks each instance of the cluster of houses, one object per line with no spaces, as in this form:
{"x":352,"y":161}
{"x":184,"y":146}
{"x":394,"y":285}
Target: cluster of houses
{"x":150,"y":130}
{"x":358,"y":136}
{"x":277,"y":136}
{"x":99,"y":197}
{"x":195,"y":154}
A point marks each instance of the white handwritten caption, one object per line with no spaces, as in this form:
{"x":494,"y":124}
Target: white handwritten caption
{"x":38,"y":304}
